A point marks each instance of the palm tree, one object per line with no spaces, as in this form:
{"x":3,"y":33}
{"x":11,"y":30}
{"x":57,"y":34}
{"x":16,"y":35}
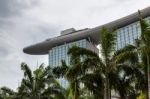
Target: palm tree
{"x":110,"y":61}
{"x":122,"y":72}
{"x":99,"y":75}
{"x":107,"y":41}
{"x":39,"y":85}
{"x":7,"y":93}
{"x":68,"y":72}
{"x":144,"y":48}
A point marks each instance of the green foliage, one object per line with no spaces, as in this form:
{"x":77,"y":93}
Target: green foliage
{"x":39,"y":84}
{"x":6,"y":93}
{"x":107,"y":41}
{"x":101,"y":74}
{"x":141,"y":96}
{"x":144,"y":50}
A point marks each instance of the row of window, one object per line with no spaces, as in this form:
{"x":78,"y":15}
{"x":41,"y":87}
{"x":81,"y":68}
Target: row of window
{"x":59,"y":53}
{"x":128,"y":34}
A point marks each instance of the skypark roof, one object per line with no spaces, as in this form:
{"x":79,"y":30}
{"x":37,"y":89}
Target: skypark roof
{"x":93,"y":33}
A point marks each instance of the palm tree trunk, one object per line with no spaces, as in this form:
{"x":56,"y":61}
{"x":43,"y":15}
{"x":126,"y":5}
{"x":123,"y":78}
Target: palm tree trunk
{"x":75,"y":93}
{"x":148,"y":85}
{"x":107,"y":91}
{"x":148,"y":77}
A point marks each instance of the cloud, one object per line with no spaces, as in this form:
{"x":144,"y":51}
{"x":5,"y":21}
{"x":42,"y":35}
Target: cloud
{"x":25,"y":22}
{"x":12,"y":7}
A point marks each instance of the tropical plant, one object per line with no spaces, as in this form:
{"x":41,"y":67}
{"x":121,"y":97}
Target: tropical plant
{"x":118,"y":70}
{"x":39,"y":85}
{"x":69,"y":73}
{"x":101,"y":74}
{"x":7,"y":93}
{"x":141,"y":48}
{"x":143,"y":44}
{"x":131,"y":68}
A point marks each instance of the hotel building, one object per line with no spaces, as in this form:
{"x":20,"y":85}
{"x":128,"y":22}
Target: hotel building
{"x":128,"y":29}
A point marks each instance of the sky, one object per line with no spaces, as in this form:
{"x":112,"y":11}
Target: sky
{"x":26,"y":22}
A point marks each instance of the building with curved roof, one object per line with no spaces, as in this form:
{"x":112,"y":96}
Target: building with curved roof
{"x":128,"y":29}
{"x":75,"y":35}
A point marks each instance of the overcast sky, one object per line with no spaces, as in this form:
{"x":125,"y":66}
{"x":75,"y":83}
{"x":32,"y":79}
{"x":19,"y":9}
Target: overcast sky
{"x":25,"y":22}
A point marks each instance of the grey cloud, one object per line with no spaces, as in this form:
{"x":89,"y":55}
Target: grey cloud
{"x":13,"y":7}
{"x":10,"y":74}
{"x":3,"y":52}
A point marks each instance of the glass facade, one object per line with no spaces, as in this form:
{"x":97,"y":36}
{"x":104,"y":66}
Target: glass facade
{"x":59,"y":53}
{"x":128,"y":34}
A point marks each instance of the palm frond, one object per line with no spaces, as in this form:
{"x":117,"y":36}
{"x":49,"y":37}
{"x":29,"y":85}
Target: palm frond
{"x":27,"y":84}
{"x":60,"y":71}
{"x":8,"y":90}
{"x":125,"y":49}
{"x":94,"y":83}
{"x":107,"y":41}
{"x":27,"y":71}
{"x":55,"y":90}
{"x":92,"y":63}
{"x":128,"y":56}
